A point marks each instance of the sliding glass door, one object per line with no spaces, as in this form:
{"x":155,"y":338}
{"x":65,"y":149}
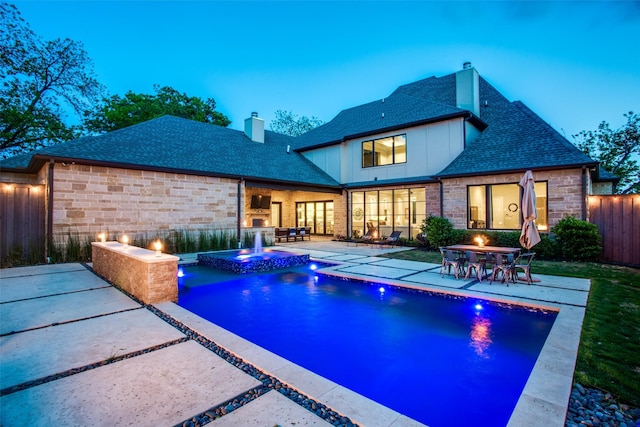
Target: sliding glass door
{"x":317,"y":215}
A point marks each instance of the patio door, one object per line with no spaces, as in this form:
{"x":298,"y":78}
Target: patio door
{"x":276,"y":214}
{"x":317,"y":215}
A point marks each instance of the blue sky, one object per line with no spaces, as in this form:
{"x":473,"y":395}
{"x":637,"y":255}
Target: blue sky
{"x":574,"y":63}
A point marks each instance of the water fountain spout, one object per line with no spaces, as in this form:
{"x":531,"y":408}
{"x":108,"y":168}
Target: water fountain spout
{"x":257,"y":246}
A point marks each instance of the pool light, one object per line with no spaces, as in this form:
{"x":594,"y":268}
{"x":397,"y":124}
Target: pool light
{"x":478,"y":307}
{"x":381,"y":289}
{"x":313,"y":267}
{"x":180,"y":273}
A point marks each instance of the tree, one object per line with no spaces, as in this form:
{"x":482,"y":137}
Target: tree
{"x":116,"y":112}
{"x":615,"y":149}
{"x":40,"y":81}
{"x":288,"y":123}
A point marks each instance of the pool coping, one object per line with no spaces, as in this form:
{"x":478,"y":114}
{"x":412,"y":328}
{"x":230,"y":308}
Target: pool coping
{"x":544,"y":399}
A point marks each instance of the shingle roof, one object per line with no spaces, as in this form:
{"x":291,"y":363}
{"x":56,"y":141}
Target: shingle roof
{"x":396,"y":111}
{"x":173,"y":143}
{"x":516,"y":139}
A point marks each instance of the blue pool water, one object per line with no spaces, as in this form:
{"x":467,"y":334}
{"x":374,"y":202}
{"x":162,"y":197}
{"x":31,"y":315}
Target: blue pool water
{"x":443,"y":361}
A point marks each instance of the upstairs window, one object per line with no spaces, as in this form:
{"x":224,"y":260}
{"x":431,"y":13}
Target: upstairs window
{"x":384,"y":151}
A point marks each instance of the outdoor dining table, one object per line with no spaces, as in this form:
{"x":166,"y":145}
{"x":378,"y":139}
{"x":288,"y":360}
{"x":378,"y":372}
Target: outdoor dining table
{"x":485,"y":249}
{"x":488,"y":249}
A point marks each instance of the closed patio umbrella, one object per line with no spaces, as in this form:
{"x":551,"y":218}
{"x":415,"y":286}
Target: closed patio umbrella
{"x":529,"y":236}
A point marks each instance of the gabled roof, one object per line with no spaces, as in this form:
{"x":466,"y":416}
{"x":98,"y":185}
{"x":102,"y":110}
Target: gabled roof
{"x":516,"y":139}
{"x":512,"y":137}
{"x":395,"y":112}
{"x":171,"y":143}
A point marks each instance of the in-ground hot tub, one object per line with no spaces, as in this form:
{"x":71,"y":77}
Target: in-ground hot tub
{"x":249,"y":261}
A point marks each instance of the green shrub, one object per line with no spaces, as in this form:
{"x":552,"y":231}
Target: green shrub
{"x":249,"y":240}
{"x":577,"y":240}
{"x":546,"y":249}
{"x":439,"y":231}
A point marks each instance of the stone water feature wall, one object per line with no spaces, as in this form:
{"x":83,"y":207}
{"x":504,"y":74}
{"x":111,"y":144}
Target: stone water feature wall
{"x":149,"y":277}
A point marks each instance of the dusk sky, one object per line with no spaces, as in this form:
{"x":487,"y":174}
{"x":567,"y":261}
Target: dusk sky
{"x":573,"y":63}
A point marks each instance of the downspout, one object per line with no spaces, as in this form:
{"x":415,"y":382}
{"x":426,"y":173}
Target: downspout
{"x":240,"y":181}
{"x":441,"y":198}
{"x":584,"y":193}
{"x":50,"y":211}
{"x":348,"y":215}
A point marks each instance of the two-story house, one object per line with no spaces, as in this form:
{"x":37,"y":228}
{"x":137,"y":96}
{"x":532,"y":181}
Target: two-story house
{"x":451,"y":146}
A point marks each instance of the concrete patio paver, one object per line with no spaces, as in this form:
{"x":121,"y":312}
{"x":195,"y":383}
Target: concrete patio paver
{"x":433,"y":278}
{"x":164,"y":387}
{"x":39,"y":285}
{"x":377,"y":271}
{"x":37,"y":270}
{"x":44,"y":311}
{"x":405,"y":264}
{"x":537,"y":293}
{"x":272,"y":409}
{"x":78,"y":344}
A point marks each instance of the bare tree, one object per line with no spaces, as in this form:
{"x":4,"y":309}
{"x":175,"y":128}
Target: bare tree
{"x":290,"y":124}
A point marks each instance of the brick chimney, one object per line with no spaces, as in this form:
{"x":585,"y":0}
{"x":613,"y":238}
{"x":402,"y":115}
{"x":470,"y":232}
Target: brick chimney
{"x":254,"y":128}
{"x":468,"y":89}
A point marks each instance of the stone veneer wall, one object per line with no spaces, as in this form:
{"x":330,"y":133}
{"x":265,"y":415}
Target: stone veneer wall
{"x":433,"y":199}
{"x":150,"y":278}
{"x":564,"y":188}
{"x":92,"y":199}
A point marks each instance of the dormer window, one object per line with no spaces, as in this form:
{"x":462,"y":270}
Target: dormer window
{"x":384,"y":151}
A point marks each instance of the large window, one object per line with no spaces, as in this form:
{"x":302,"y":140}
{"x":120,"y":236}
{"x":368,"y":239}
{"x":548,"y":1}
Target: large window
{"x":388,"y":211}
{"x":498,"y":206}
{"x":384,"y":151}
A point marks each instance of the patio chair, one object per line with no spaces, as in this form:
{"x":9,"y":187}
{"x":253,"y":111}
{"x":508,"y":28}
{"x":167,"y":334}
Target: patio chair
{"x":479,"y":265}
{"x":282,"y":233}
{"x":391,"y":240}
{"x":368,"y":237}
{"x":449,"y":259}
{"x":293,"y":234}
{"x":523,"y":262}
{"x":503,"y":264}
{"x":422,"y":238}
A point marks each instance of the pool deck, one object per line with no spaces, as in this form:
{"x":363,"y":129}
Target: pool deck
{"x":74,"y":350}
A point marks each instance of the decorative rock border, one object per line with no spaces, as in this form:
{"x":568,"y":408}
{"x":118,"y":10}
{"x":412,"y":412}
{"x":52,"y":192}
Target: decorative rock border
{"x":593,"y":407}
{"x":268,"y":383}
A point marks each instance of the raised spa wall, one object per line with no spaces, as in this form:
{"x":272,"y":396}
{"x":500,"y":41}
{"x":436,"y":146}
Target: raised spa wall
{"x":150,"y":277}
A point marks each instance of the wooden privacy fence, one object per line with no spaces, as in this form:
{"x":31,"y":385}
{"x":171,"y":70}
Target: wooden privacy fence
{"x":618,"y":220}
{"x":22,"y":221}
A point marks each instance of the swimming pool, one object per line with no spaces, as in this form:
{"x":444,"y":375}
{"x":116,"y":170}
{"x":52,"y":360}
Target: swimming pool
{"x":444,"y":361}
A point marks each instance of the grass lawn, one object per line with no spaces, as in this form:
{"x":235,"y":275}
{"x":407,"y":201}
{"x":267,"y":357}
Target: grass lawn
{"x":609,"y":353}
